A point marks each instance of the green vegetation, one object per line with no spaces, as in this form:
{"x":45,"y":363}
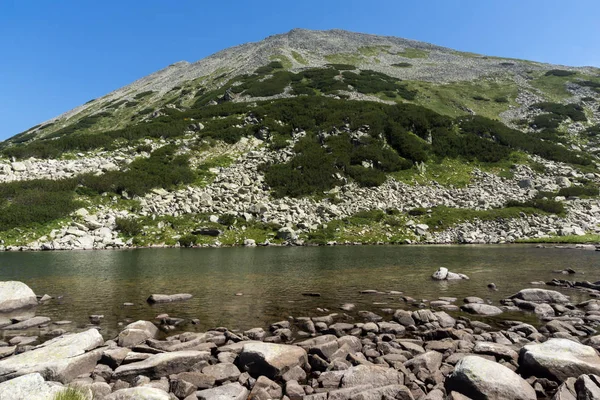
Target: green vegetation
{"x":188,"y":240}
{"x":402,"y":65}
{"x":70,"y":394}
{"x":285,"y":62}
{"x":128,"y":226}
{"x":372,"y":51}
{"x":143,"y":94}
{"x":299,"y":59}
{"x":579,"y":191}
{"x":35,"y":202}
{"x":554,"y":87}
{"x":163,"y":169}
{"x":413,"y":53}
{"x":345,"y":58}
{"x":559,"y":72}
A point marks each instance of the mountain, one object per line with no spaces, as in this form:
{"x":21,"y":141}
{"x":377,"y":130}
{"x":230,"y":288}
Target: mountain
{"x":315,"y":137}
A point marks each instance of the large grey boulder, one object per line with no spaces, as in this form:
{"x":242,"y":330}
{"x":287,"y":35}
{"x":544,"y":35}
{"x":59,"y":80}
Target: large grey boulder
{"x":139,"y":393}
{"x":61,"y":359}
{"x":136,"y":333}
{"x":559,"y":359}
{"x":269,"y":359}
{"x":163,"y":364}
{"x":231,"y":391}
{"x":481,"y":309}
{"x":29,"y":387}
{"x":541,"y":296}
{"x":15,"y":295}
{"x":479,"y":378}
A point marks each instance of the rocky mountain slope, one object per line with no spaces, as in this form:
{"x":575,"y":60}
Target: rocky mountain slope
{"x":315,"y":137}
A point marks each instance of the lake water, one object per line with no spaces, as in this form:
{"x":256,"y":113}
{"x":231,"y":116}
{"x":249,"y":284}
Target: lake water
{"x":272,"y":279}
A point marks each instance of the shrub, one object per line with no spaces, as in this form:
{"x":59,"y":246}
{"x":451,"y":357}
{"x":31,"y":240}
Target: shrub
{"x":188,"y":240}
{"x":559,"y":72}
{"x":417,"y":211}
{"x":227,"y":219}
{"x":501,"y":99}
{"x":480,"y":98}
{"x":27,"y":203}
{"x":143,"y":94}
{"x":573,"y":111}
{"x":402,"y":65}
{"x":548,"y":206}
{"x":579,"y":191}
{"x":128,"y":226}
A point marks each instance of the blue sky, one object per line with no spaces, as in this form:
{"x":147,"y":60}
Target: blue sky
{"x":56,"y":55}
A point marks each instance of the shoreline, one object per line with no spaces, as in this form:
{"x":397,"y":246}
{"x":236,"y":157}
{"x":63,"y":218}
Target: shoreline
{"x":554,"y":245}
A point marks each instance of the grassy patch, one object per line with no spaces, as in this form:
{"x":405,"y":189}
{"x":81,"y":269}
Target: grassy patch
{"x":285,"y":62}
{"x":299,"y":59}
{"x":448,"y":172}
{"x":345,"y":58}
{"x":413,"y":53}
{"x":70,"y":394}
{"x":554,"y":87}
{"x":454,"y":98}
{"x":373,"y":51}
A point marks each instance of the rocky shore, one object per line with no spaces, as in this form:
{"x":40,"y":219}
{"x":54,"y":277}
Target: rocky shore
{"x":439,"y":351}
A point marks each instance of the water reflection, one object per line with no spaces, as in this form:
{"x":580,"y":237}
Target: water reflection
{"x":272,"y":280}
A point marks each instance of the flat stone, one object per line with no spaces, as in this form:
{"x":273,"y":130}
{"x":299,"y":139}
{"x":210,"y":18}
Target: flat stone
{"x":168,"y":298}
{"x":269,"y":359}
{"x":222,"y":372}
{"x":159,"y":365}
{"x":29,"y":387}
{"x":231,"y":391}
{"x":371,"y":375}
{"x":481,"y":309}
{"x":541,"y":296}
{"x":139,"y":393}
{"x":61,"y":359}
{"x":28,"y":324}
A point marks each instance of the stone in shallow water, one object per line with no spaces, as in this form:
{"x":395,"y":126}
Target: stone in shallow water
{"x":481,"y":309}
{"x":541,"y":296}
{"x":168,"y":298}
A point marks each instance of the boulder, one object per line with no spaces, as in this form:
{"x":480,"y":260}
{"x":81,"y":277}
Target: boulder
{"x":168,"y":298}
{"x":231,"y":391}
{"x":29,"y":387}
{"x":371,"y":375}
{"x":61,"y":359}
{"x":15,"y":295}
{"x":222,"y":372}
{"x":440,"y":274}
{"x":270,"y":359}
{"x":138,"y":393}
{"x":541,"y":296}
{"x":163,"y":364}
{"x":481,"y":309}
{"x":479,"y":378}
{"x":136,"y":333}
{"x":287,"y":234}
{"x":588,"y":387}
{"x":559,"y":359}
